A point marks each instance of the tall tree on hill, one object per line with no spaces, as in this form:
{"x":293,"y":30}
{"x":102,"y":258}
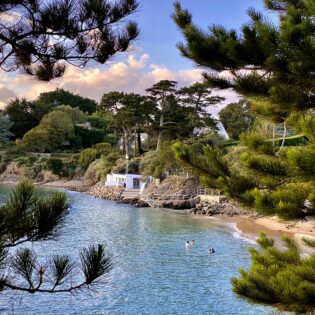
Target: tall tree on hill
{"x":159,"y":93}
{"x":130,"y":112}
{"x":198,"y":97}
{"x":40,"y":37}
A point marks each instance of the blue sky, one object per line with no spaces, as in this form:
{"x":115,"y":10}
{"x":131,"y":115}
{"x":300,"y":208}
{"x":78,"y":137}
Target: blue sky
{"x":159,"y":34}
{"x":154,"y":56}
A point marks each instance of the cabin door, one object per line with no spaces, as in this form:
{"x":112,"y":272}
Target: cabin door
{"x":136,"y":183}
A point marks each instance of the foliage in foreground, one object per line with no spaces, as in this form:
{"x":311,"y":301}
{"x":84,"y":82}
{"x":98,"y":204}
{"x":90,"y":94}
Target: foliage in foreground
{"x":39,"y":37}
{"x":279,"y":82}
{"x":282,"y":184}
{"x":29,"y":217}
{"x":282,"y":277}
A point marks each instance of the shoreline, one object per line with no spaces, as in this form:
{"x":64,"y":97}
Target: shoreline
{"x":247,"y":226}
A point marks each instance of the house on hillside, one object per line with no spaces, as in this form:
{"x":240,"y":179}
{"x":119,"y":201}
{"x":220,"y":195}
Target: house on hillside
{"x":129,"y":181}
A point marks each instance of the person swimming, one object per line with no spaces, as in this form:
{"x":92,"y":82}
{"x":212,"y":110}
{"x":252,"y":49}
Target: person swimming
{"x":193,"y":242}
{"x":211,"y":251}
{"x":187,"y":245}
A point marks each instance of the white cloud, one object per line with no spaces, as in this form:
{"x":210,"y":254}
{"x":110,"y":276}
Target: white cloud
{"x":134,"y":74}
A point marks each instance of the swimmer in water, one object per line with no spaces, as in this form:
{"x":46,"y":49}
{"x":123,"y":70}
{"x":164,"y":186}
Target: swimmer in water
{"x":193,"y":242}
{"x":211,"y":251}
{"x":187,"y":245}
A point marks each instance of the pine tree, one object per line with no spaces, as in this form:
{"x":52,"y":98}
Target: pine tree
{"x":198,"y":97}
{"x":160,"y":93}
{"x":273,"y":66}
{"x":28,"y":217}
{"x":130,"y":111}
{"x":40,"y":37}
{"x":282,"y":277}
{"x":278,"y":59}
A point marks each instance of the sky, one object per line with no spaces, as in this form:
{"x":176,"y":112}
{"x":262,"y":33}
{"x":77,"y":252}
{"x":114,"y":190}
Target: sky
{"x":152,"y":57}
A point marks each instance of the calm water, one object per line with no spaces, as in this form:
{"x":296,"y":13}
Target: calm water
{"x":152,"y":273}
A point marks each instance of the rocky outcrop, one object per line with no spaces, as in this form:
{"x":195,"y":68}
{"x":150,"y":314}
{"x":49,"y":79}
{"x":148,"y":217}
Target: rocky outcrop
{"x":13,"y":173}
{"x":173,"y":186}
{"x":178,"y":204}
{"x":175,"y":192}
{"x":106,"y":192}
{"x":223,"y":208}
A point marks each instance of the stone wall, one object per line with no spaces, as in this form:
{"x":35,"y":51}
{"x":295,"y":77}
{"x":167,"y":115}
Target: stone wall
{"x":218,"y":208}
{"x":106,"y":192}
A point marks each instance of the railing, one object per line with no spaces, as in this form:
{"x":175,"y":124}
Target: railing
{"x":183,"y":172}
{"x":151,"y":202}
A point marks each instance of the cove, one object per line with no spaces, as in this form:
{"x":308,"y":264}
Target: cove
{"x":152,"y":272}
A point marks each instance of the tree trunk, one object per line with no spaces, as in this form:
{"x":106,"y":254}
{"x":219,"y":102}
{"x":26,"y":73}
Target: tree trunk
{"x":126,"y":143}
{"x":160,"y":134}
{"x":139,"y":142}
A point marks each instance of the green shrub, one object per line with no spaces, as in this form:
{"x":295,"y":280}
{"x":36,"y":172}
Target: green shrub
{"x":55,"y":165}
{"x":103,"y":148}
{"x":87,"y":156}
{"x":121,"y":164}
{"x":301,"y":161}
{"x":109,"y":161}
{"x":22,"y":160}
{"x":261,"y":200}
{"x":155,"y":163}
{"x":95,"y":172}
{"x":69,"y":168}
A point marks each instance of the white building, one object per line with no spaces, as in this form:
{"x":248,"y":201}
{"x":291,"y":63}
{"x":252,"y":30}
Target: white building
{"x":130,"y":181}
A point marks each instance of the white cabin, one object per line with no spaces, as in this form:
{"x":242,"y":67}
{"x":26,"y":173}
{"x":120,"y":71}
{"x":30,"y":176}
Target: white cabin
{"x":129,"y":181}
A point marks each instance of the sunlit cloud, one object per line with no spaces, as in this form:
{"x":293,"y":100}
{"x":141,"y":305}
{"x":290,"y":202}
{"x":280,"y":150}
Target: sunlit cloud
{"x":134,"y":74}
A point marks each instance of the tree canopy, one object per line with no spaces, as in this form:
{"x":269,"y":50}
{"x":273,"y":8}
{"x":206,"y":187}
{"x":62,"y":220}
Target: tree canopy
{"x":62,"y":97}
{"x":40,"y":37}
{"x":130,"y":111}
{"x":274,"y":67}
{"x":237,"y":118}
{"x":55,"y":128}
{"x":25,"y":115}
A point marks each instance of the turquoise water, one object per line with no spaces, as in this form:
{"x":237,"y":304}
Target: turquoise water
{"x":152,"y":272}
